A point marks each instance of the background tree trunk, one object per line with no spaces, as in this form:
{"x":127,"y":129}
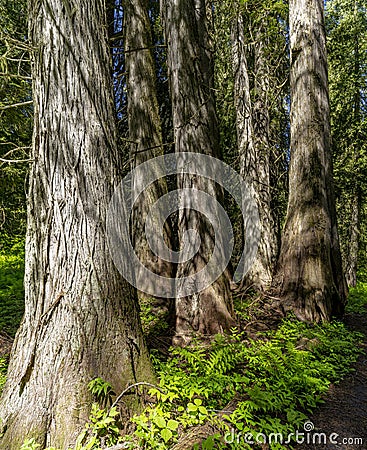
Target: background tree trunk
{"x":146,"y":135}
{"x":346,"y":22}
{"x":190,"y":68}
{"x":81,"y":318}
{"x":354,"y":226}
{"x":309,"y":276}
{"x":353,"y":245}
{"x":252,"y":125}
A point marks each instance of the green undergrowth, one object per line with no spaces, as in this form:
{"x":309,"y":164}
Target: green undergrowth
{"x":11,"y":288}
{"x":276,"y":381}
{"x":154,"y":321}
{"x":248,"y":391}
{"x":357,"y":299}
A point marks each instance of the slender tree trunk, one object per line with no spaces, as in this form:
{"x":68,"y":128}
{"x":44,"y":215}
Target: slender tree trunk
{"x":353,"y":244}
{"x":309,"y":277}
{"x":261,"y":121}
{"x":81,"y":318}
{"x":354,"y":225}
{"x":146,"y":135}
{"x":252,"y":124}
{"x":190,"y":69}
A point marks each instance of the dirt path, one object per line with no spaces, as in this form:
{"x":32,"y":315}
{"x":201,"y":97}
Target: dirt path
{"x":342,"y":420}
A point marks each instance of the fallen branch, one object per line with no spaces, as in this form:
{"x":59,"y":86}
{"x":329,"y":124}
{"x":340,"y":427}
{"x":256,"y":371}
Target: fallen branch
{"x":16,"y":105}
{"x":141,"y":383}
{"x":12,"y":75}
{"x":15,"y":160}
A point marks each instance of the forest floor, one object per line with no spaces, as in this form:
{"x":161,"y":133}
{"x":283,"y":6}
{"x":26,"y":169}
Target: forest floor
{"x":342,"y":419}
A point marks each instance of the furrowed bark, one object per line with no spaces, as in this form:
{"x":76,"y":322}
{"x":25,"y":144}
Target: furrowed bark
{"x":81,"y":318}
{"x":190,"y":68}
{"x":146,"y":135}
{"x":309,"y":277}
{"x":252,"y":125}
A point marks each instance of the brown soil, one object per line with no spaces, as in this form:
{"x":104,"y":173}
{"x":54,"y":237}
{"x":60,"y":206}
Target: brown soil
{"x":343,"y":416}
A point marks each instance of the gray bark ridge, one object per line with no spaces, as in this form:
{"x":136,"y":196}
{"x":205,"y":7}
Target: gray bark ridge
{"x":190,"y":68}
{"x":309,"y":278}
{"x":81,"y":318}
{"x":146,"y":135}
{"x":252,"y":125}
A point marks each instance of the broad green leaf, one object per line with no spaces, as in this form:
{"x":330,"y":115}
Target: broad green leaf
{"x":166,"y":434}
{"x":172,"y":424}
{"x":160,"y":421}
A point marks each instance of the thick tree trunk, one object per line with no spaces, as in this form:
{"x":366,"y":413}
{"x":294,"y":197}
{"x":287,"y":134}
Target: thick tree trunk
{"x":81,"y":318}
{"x":190,"y":69}
{"x":309,"y":277}
{"x":146,"y":135}
{"x":252,"y":124}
